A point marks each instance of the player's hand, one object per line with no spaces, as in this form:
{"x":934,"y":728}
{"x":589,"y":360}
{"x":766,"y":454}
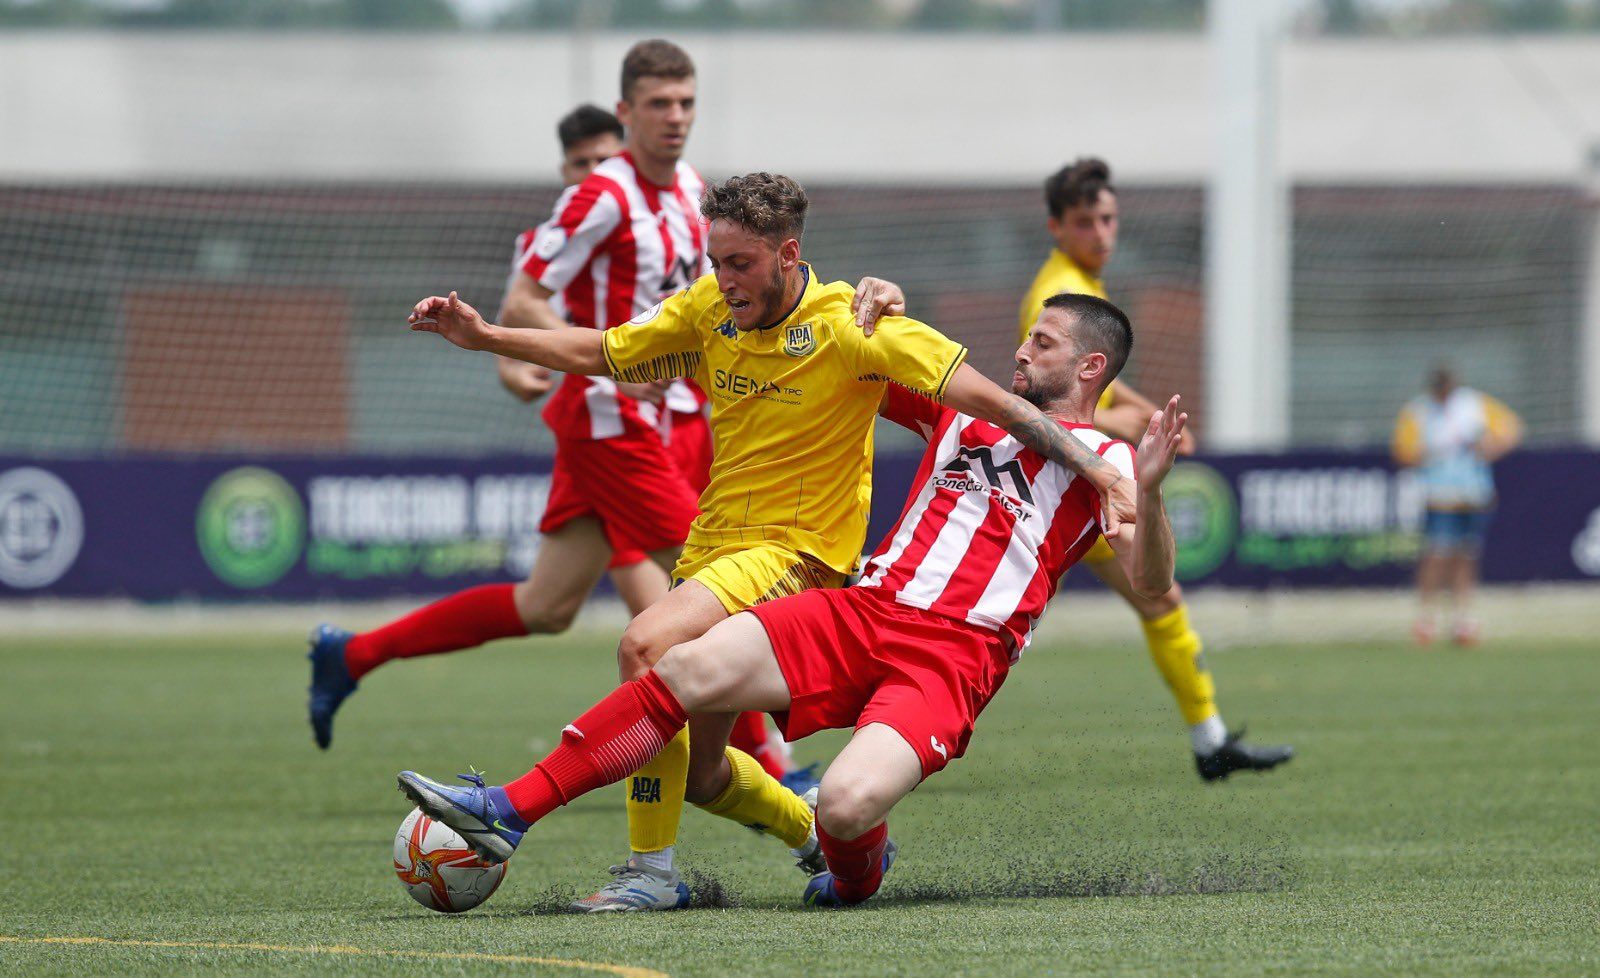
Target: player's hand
{"x":1160,"y":445}
{"x":531,"y":381}
{"x":1118,"y":505}
{"x":453,"y":319}
{"x":876,"y":298}
{"x":654,"y":391}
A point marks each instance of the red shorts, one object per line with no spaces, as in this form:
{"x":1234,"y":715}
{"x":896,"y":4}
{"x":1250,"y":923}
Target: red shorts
{"x":631,"y":484}
{"x":690,"y":448}
{"x":853,"y":656}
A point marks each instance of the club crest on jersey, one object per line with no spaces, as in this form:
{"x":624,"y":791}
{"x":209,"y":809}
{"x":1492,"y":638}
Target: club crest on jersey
{"x":799,"y":340}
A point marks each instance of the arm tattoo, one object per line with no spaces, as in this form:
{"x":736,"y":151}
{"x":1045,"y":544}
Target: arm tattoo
{"x":1028,"y":425}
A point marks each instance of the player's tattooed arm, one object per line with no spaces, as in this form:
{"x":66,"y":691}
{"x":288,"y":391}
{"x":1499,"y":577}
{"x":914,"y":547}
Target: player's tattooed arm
{"x":572,"y":351}
{"x":972,"y":393}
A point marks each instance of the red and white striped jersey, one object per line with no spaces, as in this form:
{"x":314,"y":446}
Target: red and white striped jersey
{"x":991,"y":525}
{"x":615,"y":246}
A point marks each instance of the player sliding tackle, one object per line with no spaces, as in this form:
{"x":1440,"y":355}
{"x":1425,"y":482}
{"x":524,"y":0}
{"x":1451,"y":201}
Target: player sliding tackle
{"x":794,"y":387}
{"x":910,"y":655}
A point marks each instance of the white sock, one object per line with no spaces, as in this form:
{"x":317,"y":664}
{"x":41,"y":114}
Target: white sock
{"x":661,"y":859}
{"x":1208,"y":735}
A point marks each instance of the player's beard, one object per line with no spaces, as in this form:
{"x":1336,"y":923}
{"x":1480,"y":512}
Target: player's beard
{"x":771,"y":298}
{"x":1041,"y":392}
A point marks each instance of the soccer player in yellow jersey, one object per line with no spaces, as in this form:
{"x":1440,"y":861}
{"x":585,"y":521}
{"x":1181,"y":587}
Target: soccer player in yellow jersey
{"x":1083,"y":220}
{"x":795,"y":388}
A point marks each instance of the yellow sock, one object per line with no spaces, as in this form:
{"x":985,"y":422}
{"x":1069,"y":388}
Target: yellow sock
{"x":1175,"y":648}
{"x":755,"y":798}
{"x":655,"y":797}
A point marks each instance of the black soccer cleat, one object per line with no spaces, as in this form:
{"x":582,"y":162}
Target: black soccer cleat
{"x":1236,"y":755}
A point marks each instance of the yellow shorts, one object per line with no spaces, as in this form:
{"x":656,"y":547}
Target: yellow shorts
{"x":745,"y":574}
{"x":1100,"y":552}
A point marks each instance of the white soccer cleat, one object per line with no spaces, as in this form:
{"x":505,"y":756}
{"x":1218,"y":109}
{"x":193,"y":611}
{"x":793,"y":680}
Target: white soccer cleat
{"x":633,"y":888}
{"x":808,"y":858}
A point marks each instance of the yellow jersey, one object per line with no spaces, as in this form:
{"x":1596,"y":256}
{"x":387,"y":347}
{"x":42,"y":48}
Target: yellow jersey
{"x":1059,"y":274}
{"x":792,"y":408}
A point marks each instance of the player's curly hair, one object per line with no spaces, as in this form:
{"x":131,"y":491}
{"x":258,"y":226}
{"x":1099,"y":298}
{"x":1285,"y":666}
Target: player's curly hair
{"x":769,"y":204}
{"x":1079,"y":182}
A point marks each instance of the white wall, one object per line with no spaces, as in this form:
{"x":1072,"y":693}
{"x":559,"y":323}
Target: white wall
{"x":883,"y":107}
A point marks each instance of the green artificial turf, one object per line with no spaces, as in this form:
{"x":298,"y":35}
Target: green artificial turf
{"x":1441,"y":818}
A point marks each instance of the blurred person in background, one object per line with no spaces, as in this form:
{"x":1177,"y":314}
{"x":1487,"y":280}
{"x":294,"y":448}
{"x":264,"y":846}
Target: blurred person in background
{"x":1452,"y":435}
{"x":1083,"y":221}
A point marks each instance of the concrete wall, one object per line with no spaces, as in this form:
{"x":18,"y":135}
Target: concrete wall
{"x":890,"y":108}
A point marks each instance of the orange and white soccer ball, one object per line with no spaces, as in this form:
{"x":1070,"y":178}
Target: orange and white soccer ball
{"x":437,"y":867}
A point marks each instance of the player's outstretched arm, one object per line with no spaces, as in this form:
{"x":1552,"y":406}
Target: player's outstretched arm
{"x":573,"y":351}
{"x":1148,"y":557}
{"x":974,"y":394}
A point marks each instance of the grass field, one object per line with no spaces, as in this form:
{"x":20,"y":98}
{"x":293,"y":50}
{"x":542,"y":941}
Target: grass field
{"x":1443,"y":818}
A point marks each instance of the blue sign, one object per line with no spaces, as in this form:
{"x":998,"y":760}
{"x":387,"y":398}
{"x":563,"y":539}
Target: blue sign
{"x":304,"y":528}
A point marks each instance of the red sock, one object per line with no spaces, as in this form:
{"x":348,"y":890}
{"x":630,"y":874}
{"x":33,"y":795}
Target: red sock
{"x":461,"y":621}
{"x":750,"y":735}
{"x":856,"y":864}
{"x":614,"y":739}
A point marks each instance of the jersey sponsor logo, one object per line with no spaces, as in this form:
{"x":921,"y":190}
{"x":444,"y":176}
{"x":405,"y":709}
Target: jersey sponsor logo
{"x":41,"y":528}
{"x":799,"y":341}
{"x":958,"y":476}
{"x":549,"y":242}
{"x":646,"y":790}
{"x":995,"y":474}
{"x":742,"y":386}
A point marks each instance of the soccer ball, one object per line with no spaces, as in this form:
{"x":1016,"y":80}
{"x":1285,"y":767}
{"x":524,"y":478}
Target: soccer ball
{"x":439,"y":869}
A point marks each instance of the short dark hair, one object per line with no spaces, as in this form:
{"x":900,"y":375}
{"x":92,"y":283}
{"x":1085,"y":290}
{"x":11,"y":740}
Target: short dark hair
{"x":586,"y":122}
{"x":1097,"y":327}
{"x":1079,"y":182}
{"x":654,"y":59}
{"x":769,"y":204}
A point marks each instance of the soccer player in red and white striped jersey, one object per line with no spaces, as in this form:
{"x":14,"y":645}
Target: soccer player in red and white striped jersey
{"x":631,"y":459}
{"x":910,"y":655}
{"x":619,"y":499}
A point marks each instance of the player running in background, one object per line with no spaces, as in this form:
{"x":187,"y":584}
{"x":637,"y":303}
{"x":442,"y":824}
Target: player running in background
{"x":1083,"y":220}
{"x":910,"y":655}
{"x":795,"y":387}
{"x":1451,"y":436}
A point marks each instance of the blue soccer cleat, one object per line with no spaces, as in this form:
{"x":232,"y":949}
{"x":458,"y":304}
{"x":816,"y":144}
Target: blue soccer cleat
{"x":330,"y":680}
{"x":801,"y":779}
{"x":482,"y":815}
{"x":820,"y":891}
